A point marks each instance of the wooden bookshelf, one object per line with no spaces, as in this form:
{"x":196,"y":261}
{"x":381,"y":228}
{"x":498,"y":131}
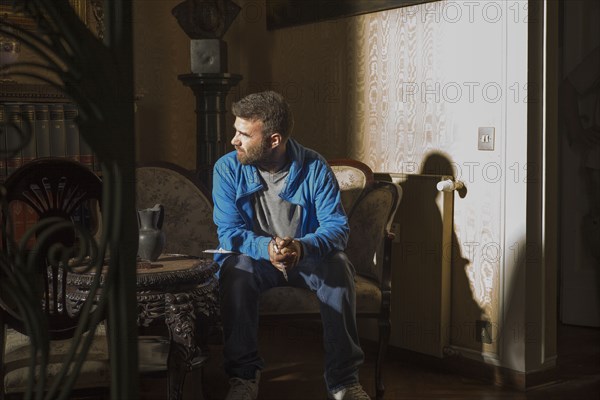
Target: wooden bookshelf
{"x":62,"y":141}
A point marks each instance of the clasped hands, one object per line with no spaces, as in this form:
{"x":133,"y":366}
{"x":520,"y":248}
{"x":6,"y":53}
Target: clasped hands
{"x":284,"y":253}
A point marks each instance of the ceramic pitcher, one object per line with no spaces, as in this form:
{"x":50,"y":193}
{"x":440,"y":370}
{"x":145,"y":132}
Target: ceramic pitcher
{"x":152,"y":238}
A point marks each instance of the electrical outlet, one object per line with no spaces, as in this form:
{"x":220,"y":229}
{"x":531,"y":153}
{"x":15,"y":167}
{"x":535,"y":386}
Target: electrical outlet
{"x":485,"y":138}
{"x":483,"y":331}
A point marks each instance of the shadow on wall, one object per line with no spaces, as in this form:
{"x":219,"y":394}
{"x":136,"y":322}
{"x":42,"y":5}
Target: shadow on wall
{"x":433,"y":296}
{"x":464,"y":309}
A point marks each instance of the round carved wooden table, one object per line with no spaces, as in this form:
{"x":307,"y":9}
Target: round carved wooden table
{"x":177,"y":290}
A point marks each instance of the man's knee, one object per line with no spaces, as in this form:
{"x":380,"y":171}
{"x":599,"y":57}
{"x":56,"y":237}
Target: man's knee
{"x":339,"y":267}
{"x":338,"y":257}
{"x":341,"y":261}
{"x":237,"y":262}
{"x":237,"y":273}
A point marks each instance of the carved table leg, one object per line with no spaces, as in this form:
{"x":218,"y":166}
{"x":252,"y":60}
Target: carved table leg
{"x":180,"y":319}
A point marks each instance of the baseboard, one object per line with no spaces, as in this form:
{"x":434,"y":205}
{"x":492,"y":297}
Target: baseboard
{"x":497,"y":375}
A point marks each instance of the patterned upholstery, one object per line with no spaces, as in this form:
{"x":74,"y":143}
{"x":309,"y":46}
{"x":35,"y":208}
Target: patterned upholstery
{"x":352,"y":181}
{"x":94,"y":371}
{"x":368,"y":223}
{"x":188,"y":223}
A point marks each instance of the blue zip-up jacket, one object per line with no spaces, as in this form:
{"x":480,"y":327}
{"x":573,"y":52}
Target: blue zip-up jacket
{"x":310,"y":184}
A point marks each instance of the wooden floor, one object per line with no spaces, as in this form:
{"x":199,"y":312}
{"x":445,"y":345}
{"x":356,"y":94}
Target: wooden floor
{"x":294,"y":371}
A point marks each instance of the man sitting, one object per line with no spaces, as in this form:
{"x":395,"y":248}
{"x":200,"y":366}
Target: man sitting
{"x":278,"y":209}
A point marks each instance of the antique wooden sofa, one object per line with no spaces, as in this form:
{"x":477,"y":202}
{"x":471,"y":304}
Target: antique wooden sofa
{"x":370,"y":206}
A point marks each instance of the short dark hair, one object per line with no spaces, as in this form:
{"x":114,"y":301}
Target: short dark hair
{"x":270,"y":108}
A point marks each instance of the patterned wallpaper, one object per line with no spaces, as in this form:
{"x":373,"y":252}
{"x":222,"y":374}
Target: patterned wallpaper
{"x":393,"y":57}
{"x":399,"y":92}
{"x":165,"y":117}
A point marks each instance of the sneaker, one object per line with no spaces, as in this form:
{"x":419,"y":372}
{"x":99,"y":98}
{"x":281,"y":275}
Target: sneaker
{"x":243,"y":389}
{"x":354,"y":392}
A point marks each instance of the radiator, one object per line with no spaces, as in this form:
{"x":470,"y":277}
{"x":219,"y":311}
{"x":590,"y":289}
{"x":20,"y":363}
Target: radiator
{"x":421,"y":257}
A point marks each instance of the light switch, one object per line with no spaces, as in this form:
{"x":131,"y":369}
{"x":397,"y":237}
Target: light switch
{"x":486,"y":138}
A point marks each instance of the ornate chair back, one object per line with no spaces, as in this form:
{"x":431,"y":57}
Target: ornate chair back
{"x":49,"y":217}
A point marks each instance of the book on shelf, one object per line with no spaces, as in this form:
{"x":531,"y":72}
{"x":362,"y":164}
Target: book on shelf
{"x":73,"y":151}
{"x":42,"y":129}
{"x":29,"y":154}
{"x":28,"y":126}
{"x":97,"y":165}
{"x":30,"y":220}
{"x":14,"y":137}
{"x":58,"y":146}
{"x":51,"y":130}
{"x":86,"y":154}
{"x":18,"y":219}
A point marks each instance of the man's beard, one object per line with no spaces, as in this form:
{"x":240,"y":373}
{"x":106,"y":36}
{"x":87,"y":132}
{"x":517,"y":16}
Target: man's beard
{"x":255,"y":155}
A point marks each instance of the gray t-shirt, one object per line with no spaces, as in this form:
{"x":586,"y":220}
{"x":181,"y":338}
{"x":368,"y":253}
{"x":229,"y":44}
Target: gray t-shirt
{"x":273,"y":215}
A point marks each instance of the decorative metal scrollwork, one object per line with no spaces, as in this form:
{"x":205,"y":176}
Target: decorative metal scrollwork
{"x":95,"y":74}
